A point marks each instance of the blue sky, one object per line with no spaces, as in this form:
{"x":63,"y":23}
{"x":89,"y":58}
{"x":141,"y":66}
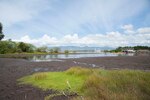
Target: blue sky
{"x":77,"y":22}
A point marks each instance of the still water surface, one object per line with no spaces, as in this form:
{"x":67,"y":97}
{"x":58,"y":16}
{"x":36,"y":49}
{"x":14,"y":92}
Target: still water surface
{"x":58,"y":57}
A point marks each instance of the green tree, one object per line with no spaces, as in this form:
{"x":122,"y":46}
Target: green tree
{"x":3,"y":47}
{"x":22,"y":47}
{"x":56,"y":50}
{"x":51,"y":51}
{"x":14,"y":47}
{"x":42,"y":49}
{"x":1,"y":33}
{"x":66,"y":51}
{"x":141,"y":48}
{"x":25,"y":47}
{"x":7,"y":47}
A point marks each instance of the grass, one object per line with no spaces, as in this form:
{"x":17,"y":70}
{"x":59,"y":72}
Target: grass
{"x":117,"y":85}
{"x":95,"y":84}
{"x":54,"y":80}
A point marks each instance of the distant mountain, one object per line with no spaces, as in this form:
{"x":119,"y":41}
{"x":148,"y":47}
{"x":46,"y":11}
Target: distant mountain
{"x":83,"y":48}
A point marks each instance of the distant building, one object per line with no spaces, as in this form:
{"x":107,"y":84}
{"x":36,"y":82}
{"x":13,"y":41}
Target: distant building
{"x":129,"y":50}
{"x":97,"y":51}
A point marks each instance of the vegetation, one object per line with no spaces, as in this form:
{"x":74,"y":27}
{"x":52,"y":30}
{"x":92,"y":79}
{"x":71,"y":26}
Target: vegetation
{"x":10,"y":47}
{"x":42,"y":49}
{"x":141,"y":48}
{"x":95,"y":84}
{"x":15,"y":47}
{"x":56,"y":50}
{"x":66,"y":51}
{"x":54,"y":80}
{"x":120,"y":49}
{"x":1,"y":33}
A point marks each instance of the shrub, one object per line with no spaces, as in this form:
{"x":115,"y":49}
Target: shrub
{"x":117,"y":85}
{"x":66,"y":51}
{"x":79,"y":71}
{"x":40,"y":76}
{"x":94,"y":88}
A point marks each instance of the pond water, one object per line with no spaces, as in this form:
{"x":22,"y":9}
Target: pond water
{"x":59,"y":57}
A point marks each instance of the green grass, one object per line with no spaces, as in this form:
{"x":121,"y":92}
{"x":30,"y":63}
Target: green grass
{"x":54,"y":80}
{"x":95,"y":84}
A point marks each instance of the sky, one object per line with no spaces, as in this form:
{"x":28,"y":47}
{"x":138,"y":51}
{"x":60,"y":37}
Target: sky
{"x":102,"y":23}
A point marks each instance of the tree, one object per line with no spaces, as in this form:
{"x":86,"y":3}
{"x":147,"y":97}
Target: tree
{"x":56,"y":50}
{"x":42,"y":49}
{"x":1,"y":33}
{"x":7,"y":47}
{"x":66,"y":51}
{"x":22,"y":47}
{"x":25,"y":47}
{"x":3,"y":47}
{"x":51,"y":51}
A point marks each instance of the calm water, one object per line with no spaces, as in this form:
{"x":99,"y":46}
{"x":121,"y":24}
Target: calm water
{"x":57,"y":57}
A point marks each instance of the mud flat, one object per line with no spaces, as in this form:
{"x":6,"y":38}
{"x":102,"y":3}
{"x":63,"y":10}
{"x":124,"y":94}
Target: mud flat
{"x":12,"y":69}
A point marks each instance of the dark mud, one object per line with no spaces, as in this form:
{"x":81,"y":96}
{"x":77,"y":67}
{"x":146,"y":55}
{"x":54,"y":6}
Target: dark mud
{"x":13,"y":69}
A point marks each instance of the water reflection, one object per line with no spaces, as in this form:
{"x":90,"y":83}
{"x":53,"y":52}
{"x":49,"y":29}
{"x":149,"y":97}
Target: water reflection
{"x":57,"y":57}
{"x":129,"y":54}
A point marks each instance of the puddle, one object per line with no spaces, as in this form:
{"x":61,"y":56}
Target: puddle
{"x":41,"y":69}
{"x":92,"y":65}
{"x":37,"y":60}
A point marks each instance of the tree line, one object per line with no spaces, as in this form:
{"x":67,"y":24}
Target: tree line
{"x":9,"y":46}
{"x":15,"y":47}
{"x":120,"y":49}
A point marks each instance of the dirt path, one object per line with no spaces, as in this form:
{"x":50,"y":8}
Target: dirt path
{"x":12,"y":69}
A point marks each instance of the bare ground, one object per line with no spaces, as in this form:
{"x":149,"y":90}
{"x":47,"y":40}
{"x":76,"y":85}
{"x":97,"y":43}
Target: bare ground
{"x":13,"y":69}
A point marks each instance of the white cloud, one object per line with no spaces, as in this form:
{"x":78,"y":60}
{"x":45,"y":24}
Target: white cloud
{"x":111,"y":39}
{"x":144,"y":30}
{"x":127,"y":27}
{"x":43,"y":41}
{"x":71,"y":38}
{"x":15,"y":11}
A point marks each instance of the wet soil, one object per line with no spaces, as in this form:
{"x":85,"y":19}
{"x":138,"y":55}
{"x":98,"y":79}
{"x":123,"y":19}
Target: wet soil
{"x":12,"y":69}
